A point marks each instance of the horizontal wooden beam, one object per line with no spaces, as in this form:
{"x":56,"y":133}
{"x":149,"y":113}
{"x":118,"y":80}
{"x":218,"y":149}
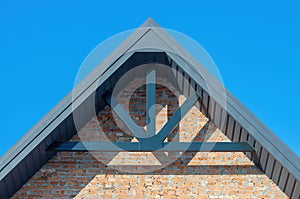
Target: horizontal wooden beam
{"x":165,"y":146}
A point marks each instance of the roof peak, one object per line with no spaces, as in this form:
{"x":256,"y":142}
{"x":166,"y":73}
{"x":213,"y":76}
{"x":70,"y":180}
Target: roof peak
{"x":149,"y":23}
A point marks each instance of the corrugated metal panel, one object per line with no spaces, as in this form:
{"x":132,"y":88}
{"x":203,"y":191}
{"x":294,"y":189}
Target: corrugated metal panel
{"x":296,"y":192}
{"x":277,"y":172}
{"x":10,"y":185}
{"x":186,"y":85}
{"x":70,"y":127}
{"x":244,"y":135}
{"x":36,"y":159}
{"x":16,"y":178}
{"x":283,"y":179}
{"x":252,"y":141}
{"x":42,"y":153}
{"x":257,"y":156}
{"x":224,"y":120}
{"x":264,"y":159}
{"x":230,"y":127}
{"x":4,"y":190}
{"x":180,"y":79}
{"x":245,"y":138}
{"x":218,"y":116}
{"x":237,"y":132}
{"x":211,"y":109}
{"x":270,"y":166}
{"x":205,"y":103}
{"x":291,"y":182}
{"x":23,"y":171}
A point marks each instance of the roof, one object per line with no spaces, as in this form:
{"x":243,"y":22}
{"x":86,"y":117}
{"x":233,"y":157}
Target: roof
{"x":30,"y":153}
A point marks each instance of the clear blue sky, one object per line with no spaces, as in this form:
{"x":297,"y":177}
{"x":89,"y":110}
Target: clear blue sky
{"x":255,"y":45}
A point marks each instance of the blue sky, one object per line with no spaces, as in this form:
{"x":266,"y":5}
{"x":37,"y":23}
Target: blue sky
{"x":254,"y":44}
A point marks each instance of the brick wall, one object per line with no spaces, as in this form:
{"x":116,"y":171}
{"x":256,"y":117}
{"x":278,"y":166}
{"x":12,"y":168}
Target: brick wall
{"x":160,"y":175}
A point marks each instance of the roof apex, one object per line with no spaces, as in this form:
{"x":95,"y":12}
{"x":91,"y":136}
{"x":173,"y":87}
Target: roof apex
{"x":149,"y":23}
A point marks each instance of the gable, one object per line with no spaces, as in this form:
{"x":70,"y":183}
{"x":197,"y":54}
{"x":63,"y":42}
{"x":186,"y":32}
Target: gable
{"x":30,"y":153}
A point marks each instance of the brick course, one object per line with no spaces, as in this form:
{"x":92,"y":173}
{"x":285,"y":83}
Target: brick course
{"x":190,"y":175}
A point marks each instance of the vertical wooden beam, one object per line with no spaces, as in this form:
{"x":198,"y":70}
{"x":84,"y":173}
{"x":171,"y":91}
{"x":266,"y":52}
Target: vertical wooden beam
{"x":151,"y":102}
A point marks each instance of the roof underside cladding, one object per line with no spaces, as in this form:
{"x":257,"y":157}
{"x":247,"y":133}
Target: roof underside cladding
{"x":29,"y":154}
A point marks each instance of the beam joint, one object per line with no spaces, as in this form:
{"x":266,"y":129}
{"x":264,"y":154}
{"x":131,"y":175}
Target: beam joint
{"x":178,"y":115}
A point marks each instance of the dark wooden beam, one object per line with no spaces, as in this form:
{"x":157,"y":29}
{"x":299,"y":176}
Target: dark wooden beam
{"x":165,"y":146}
{"x":151,"y":103}
{"x":136,"y":130}
{"x":178,"y":115}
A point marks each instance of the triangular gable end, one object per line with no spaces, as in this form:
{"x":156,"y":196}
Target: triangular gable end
{"x":272,"y":156}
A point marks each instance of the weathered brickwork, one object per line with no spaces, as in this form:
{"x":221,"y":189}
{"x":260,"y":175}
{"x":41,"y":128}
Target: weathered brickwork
{"x":173,"y":175}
